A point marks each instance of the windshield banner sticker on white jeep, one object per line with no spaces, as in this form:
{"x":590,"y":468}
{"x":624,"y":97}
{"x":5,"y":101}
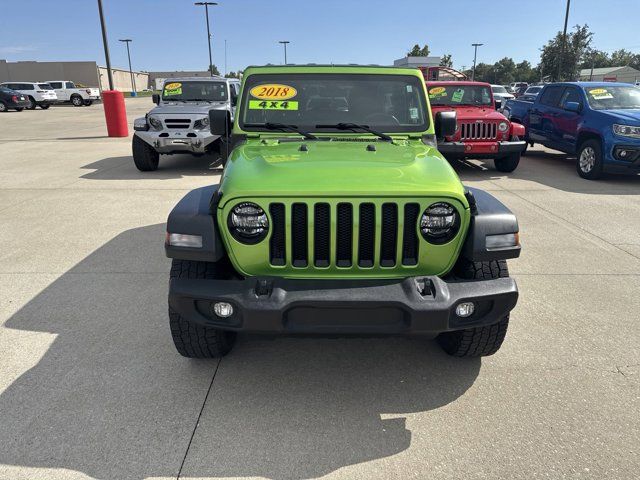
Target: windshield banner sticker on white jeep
{"x":600,"y":94}
{"x":272,"y":105}
{"x":273,"y":91}
{"x":174,"y":88}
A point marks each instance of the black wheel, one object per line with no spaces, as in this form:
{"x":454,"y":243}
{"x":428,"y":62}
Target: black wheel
{"x":507,"y":164}
{"x":88,"y":103}
{"x":192,"y":340}
{"x":589,"y":164}
{"x":479,"y":341}
{"x":144,"y":156}
{"x":76,"y":100}
{"x":3,"y":106}
{"x":32,"y":104}
{"x":44,"y":106}
{"x":19,"y":109}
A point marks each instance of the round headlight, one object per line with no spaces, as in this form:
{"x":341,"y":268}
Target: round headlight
{"x":503,"y":127}
{"x":248,"y":223}
{"x":440,"y":223}
{"x":155,"y":123}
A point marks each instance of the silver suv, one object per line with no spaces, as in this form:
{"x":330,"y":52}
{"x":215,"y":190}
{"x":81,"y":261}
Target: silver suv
{"x":180,"y":122}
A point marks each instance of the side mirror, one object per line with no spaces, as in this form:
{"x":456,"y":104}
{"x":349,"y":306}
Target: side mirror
{"x":446,"y":123}
{"x":573,"y":107}
{"x":219,"y":122}
{"x":156,"y":98}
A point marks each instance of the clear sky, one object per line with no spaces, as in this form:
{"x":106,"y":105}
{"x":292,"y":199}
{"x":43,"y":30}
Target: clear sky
{"x":171,"y":34}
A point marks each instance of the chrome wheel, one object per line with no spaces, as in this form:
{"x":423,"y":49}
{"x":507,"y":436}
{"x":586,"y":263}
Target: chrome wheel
{"x":587,"y":159}
{"x":77,"y":101}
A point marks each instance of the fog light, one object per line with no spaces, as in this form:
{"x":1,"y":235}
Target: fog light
{"x":223,"y":309}
{"x":181,"y":240}
{"x":465,"y":309}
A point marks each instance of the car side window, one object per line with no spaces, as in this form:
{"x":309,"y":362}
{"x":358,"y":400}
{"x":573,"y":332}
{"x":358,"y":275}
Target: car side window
{"x":27,"y":86}
{"x":70,"y":85}
{"x":56,"y":85}
{"x":571,"y":95}
{"x":551,"y":96}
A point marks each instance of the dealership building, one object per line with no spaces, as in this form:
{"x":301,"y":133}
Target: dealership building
{"x":610,"y":74}
{"x":85,"y":73}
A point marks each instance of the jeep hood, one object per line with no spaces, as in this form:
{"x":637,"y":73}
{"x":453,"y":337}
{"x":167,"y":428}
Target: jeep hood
{"x":471,"y":113}
{"x":338,"y":168}
{"x":177,"y":108}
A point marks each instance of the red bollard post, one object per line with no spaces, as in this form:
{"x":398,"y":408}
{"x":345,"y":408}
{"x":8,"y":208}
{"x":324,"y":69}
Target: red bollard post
{"x":115,"y":113}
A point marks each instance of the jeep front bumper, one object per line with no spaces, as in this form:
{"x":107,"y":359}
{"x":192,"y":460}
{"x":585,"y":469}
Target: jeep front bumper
{"x":192,"y":141}
{"x":416,"y":305}
{"x":480,"y":149}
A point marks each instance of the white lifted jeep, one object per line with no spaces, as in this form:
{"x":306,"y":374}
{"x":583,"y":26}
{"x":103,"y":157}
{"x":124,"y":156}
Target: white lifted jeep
{"x":180,"y":122}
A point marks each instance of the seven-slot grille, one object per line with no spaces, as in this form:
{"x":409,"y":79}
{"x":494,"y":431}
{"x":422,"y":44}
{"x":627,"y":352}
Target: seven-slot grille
{"x":346,"y":235}
{"x":478,"y":131}
{"x":177,"y":122}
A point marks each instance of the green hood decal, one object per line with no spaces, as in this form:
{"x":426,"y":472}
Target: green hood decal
{"x":273,"y":168}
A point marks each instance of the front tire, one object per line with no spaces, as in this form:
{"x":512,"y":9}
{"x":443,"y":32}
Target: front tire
{"x":589,"y":164}
{"x":507,"y":164}
{"x":76,"y":100}
{"x":190,"y":339}
{"x":45,"y":106}
{"x":145,"y":157}
{"x":478,"y":341}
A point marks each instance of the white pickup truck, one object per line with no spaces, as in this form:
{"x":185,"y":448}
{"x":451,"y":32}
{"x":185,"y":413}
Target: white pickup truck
{"x":68,"y":92}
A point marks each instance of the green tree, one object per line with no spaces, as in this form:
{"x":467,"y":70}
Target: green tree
{"x":416,"y":51}
{"x":214,"y":70}
{"x":446,"y":60}
{"x":570,"y":58}
{"x":237,"y":74}
{"x":596,"y":59}
{"x":623,"y":58}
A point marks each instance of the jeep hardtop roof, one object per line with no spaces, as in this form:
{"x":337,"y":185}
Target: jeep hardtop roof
{"x":216,"y":78}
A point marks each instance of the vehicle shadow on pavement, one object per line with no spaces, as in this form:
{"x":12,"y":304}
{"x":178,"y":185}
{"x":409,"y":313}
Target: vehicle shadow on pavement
{"x":294,"y":408}
{"x":171,"y":166}
{"x":111,"y":398}
{"x":548,"y":169}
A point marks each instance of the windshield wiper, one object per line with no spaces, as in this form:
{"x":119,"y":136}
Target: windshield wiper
{"x":355,"y":127}
{"x":198,"y":100}
{"x":283,"y":127}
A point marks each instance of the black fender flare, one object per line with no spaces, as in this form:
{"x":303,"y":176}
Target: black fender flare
{"x":489,"y":216}
{"x":194,"y":215}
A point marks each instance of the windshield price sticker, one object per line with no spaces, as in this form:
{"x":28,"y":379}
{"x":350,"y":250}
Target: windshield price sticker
{"x":600,"y":94}
{"x":173,"y":89}
{"x":457,"y":96}
{"x":273,"y":91}
{"x":272,"y":105}
{"x":436,"y":92}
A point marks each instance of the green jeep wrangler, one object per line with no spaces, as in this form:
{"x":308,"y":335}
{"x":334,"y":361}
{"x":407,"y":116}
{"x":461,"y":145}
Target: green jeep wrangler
{"x":336,"y":214}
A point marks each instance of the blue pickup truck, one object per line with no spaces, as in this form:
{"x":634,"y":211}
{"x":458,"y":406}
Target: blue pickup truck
{"x":598,"y":122}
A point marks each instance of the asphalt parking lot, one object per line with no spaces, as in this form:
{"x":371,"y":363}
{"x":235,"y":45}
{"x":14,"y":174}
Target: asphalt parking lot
{"x":91,"y":386}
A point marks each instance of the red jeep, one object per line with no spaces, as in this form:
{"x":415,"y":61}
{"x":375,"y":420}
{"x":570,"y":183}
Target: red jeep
{"x":482,"y":131}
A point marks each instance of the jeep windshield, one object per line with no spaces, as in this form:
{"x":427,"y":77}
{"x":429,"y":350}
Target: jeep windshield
{"x":326,"y":102}
{"x":614,"y":97}
{"x":453,"y":95}
{"x":195,"y":91}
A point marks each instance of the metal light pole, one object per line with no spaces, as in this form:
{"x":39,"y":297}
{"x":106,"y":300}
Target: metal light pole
{"x":475,"y":56}
{"x":133,"y":82}
{"x":284,"y":44}
{"x":106,"y":45}
{"x":206,"y":10}
{"x":564,"y":41}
